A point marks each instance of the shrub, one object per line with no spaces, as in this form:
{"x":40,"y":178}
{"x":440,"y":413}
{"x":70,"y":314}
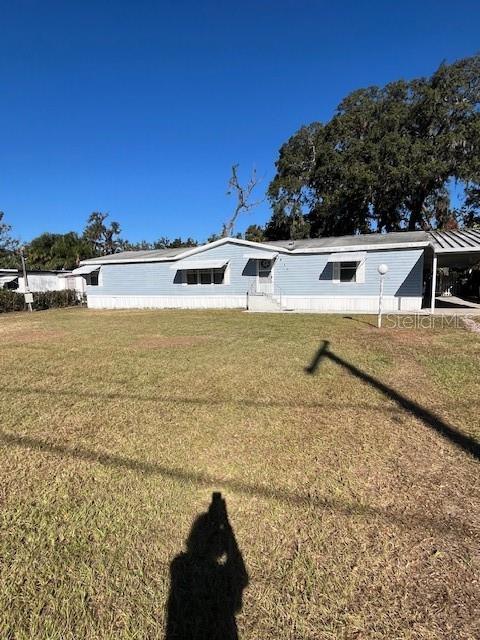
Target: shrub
{"x":13,"y":301}
{"x":10,"y":301}
{"x":52,"y":299}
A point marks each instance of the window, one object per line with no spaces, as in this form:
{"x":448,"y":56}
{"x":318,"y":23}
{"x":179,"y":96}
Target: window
{"x":192,"y":277}
{"x":349,"y":271}
{"x":204,"y":276}
{"x":265,"y":265}
{"x":92,"y":279}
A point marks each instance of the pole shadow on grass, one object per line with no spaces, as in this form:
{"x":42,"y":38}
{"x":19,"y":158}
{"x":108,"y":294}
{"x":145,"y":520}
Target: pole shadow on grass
{"x":207,"y":580}
{"x":430,"y":419}
{"x":114,"y":461}
{"x":195,"y":401}
{"x":360,"y":321}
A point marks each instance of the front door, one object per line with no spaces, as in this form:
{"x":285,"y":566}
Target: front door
{"x":265,"y":276}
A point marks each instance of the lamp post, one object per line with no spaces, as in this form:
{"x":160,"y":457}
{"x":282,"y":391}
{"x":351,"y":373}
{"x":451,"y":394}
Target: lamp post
{"x":382,"y":270}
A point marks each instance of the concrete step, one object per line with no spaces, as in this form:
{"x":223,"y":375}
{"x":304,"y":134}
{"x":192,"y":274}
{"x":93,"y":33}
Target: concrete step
{"x":261,"y":303}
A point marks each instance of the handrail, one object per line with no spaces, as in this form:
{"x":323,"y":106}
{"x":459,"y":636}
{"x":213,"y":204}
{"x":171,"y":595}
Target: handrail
{"x":280,"y":296}
{"x":274,"y":292}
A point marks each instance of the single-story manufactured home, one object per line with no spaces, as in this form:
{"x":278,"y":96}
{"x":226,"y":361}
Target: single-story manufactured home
{"x":336,"y":274}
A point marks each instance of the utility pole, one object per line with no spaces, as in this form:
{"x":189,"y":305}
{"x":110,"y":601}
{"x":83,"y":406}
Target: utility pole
{"x":26,"y":293}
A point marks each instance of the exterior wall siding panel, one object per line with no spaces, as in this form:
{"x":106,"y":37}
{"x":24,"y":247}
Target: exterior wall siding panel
{"x":311,"y":275}
{"x":157,"y":278}
{"x":166,"y":302}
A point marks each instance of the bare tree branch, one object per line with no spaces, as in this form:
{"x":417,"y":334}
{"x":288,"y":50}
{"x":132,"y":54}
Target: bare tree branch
{"x":243,"y":194}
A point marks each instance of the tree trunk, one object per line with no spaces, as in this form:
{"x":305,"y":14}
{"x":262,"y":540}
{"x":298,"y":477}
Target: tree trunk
{"x":416,"y":210}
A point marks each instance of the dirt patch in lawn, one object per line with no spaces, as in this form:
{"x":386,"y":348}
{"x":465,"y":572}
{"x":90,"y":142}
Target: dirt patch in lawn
{"x":169,"y":342}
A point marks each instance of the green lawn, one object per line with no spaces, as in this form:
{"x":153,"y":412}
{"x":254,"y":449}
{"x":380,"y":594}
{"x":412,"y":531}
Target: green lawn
{"x":352,"y":491}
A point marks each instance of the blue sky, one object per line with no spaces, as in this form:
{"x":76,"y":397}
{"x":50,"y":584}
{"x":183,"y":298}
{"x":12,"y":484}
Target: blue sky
{"x":140,"y":108}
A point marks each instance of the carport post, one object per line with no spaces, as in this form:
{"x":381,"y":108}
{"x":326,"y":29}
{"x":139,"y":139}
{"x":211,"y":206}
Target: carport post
{"x":434,"y":282}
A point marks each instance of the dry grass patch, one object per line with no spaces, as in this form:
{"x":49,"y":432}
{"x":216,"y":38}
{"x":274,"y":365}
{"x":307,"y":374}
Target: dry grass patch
{"x":169,"y":342}
{"x":18,"y":332}
{"x":355,"y":515}
{"x":34,"y":335}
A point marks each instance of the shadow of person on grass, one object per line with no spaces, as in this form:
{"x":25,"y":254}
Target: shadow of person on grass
{"x":207,"y":581}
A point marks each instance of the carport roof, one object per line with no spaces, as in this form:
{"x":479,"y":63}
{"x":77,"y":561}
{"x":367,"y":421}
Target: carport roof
{"x":463,"y":241}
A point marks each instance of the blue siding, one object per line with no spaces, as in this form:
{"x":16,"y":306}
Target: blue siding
{"x":412,"y":285}
{"x":300,"y":274}
{"x":157,"y":278}
{"x":312,"y":274}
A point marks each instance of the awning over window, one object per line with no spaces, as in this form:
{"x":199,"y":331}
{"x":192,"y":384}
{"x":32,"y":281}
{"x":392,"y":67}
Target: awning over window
{"x":199,"y":264}
{"x":6,"y":279}
{"x":348,"y":256}
{"x":261,"y":255}
{"x":84,"y":271}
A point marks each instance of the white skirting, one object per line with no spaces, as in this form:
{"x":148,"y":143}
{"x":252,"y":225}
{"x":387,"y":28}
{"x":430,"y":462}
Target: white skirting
{"x":166,"y":302}
{"x":350,"y":304}
{"x":321,"y":304}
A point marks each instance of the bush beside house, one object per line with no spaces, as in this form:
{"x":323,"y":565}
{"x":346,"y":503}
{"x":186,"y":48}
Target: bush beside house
{"x":13,"y":301}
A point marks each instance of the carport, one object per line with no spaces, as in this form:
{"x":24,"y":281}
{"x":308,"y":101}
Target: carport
{"x":452,"y":250}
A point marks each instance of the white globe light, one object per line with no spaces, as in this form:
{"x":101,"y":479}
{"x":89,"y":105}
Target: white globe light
{"x":382,"y":269}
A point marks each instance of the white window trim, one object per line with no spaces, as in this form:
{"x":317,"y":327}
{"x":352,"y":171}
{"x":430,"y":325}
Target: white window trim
{"x":226,"y":277}
{"x":359,"y":273}
{"x":360,"y":279}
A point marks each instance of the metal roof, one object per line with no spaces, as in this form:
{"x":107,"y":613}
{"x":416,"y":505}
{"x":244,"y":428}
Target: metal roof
{"x":392,"y":240}
{"x":380,"y":240}
{"x":467,"y":240}
{"x":347,"y":256}
{"x":6,"y":279}
{"x":36,"y":271}
{"x":85,"y":270}
{"x":137,"y":256}
{"x":455,"y":241}
{"x":191,"y":263}
{"x":260,"y":255}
